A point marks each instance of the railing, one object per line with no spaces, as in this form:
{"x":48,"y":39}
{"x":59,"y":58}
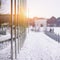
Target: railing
{"x":7,"y":41}
{"x":53,"y":36}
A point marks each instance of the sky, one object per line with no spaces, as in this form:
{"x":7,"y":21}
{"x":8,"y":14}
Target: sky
{"x":43,"y":8}
{"x":36,"y":8}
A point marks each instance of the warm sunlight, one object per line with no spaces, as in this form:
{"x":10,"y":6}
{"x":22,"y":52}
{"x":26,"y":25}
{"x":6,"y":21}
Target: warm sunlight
{"x":30,"y":14}
{"x":34,"y":13}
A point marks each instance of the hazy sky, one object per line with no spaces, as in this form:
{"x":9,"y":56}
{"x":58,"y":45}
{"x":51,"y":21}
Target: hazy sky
{"x":43,"y":8}
{"x":39,"y":8}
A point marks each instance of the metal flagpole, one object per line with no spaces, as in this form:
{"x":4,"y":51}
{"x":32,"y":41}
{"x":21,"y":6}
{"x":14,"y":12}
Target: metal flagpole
{"x":15,"y":29}
{"x":28,"y":19}
{"x":18,"y":25}
{"x":11,"y":29}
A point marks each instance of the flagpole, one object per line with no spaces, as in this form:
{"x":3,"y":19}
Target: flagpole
{"x":18,"y":25}
{"x":11,"y":30}
{"x":15,"y":29}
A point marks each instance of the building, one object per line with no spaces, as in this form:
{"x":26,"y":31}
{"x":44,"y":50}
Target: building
{"x":58,"y":22}
{"x":51,"y":22}
{"x":40,"y":24}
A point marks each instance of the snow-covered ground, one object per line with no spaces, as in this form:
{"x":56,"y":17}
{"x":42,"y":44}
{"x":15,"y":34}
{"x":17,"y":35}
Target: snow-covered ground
{"x":37,"y":46}
{"x":5,"y":53}
{"x":56,"y":29}
{"x":5,"y":46}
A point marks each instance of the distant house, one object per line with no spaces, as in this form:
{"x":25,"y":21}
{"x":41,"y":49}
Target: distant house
{"x":40,"y":22}
{"x":51,"y":22}
{"x":58,"y":22}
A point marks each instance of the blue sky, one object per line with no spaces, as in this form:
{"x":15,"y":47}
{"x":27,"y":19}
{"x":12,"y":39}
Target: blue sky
{"x":39,"y":8}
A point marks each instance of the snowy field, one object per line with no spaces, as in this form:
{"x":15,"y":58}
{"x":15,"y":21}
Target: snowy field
{"x":37,"y":46}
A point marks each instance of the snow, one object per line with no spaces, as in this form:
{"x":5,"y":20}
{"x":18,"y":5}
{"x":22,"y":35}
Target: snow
{"x":38,"y":46}
{"x":5,"y":53}
{"x":56,"y":29}
{"x":5,"y":37}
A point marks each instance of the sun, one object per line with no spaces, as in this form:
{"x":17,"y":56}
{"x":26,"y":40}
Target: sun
{"x":30,"y":14}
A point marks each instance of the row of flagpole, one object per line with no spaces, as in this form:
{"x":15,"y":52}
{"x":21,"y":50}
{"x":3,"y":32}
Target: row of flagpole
{"x":16,"y":16}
